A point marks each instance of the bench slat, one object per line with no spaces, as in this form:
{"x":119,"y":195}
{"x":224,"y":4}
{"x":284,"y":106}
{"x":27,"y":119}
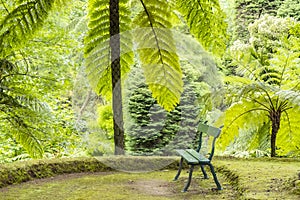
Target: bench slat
{"x":210,"y":130}
{"x":200,"y":157}
{"x":187,"y":156}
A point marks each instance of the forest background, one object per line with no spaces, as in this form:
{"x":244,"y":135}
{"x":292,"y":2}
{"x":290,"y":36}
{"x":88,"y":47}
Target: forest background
{"x":49,"y":107}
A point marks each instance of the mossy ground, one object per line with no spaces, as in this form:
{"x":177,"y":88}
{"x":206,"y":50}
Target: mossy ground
{"x":266,"y":178}
{"x":255,"y":178}
{"x":112,"y":186}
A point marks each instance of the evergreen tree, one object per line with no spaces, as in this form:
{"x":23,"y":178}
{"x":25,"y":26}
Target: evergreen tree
{"x":152,"y":126}
{"x":150,"y":129}
{"x":289,"y":8}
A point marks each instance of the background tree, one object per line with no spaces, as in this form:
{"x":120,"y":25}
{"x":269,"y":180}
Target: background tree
{"x":289,"y":8}
{"x":267,"y":82}
{"x":249,"y":11}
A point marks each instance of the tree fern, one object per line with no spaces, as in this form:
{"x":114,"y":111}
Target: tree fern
{"x":153,"y":20}
{"x":268,"y":101}
{"x":154,"y":40}
{"x":97,"y":49}
{"x":269,"y":81}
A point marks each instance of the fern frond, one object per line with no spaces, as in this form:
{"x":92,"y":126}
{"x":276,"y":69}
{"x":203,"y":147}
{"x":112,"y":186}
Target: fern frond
{"x":288,"y":137}
{"x":24,"y":135}
{"x":21,"y":23}
{"x":237,"y":80}
{"x":29,"y":143}
{"x":260,"y":138}
{"x":97,"y":49}
{"x":292,"y":96}
{"x":252,"y":137}
{"x":206,"y":21}
{"x":238,"y":114}
{"x":157,"y":52}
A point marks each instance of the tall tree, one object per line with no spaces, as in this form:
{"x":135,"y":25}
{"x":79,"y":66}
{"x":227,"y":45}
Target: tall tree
{"x":152,"y":24}
{"x":116,"y":76}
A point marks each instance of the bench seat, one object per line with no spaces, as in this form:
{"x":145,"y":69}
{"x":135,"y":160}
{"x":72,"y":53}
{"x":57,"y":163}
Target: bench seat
{"x":192,"y":157}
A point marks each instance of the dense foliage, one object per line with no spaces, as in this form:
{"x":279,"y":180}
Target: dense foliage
{"x":248,"y":11}
{"x":55,"y":76}
{"x":36,"y":79}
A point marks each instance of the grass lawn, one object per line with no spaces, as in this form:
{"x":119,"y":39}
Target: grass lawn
{"x":257,"y":179}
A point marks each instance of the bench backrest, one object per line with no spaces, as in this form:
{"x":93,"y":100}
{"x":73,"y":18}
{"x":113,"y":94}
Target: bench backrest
{"x":210,"y":131}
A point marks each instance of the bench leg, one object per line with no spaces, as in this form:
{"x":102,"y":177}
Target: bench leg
{"x":215,"y":177}
{"x":204,"y":172}
{"x":190,"y":179}
{"x":179,"y":169}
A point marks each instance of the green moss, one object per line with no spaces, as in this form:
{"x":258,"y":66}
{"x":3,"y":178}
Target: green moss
{"x":241,"y":178}
{"x":263,"y":178}
{"x":18,"y":172}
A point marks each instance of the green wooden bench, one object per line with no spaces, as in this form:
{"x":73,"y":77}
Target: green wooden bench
{"x":194,"y":157}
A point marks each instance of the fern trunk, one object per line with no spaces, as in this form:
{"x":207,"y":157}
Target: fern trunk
{"x":116,"y":77}
{"x":275,"y":119}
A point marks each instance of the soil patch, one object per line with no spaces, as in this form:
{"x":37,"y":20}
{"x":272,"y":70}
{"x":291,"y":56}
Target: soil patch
{"x":151,"y":187}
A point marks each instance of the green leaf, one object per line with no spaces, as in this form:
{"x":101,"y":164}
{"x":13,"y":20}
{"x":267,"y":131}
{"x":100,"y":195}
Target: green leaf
{"x":157,"y":52}
{"x":18,"y":26}
{"x":206,"y":21}
{"x":97,"y":49}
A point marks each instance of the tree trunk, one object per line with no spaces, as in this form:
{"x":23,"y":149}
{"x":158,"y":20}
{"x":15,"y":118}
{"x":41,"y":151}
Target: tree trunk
{"x":275,"y":119}
{"x":116,"y":77}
